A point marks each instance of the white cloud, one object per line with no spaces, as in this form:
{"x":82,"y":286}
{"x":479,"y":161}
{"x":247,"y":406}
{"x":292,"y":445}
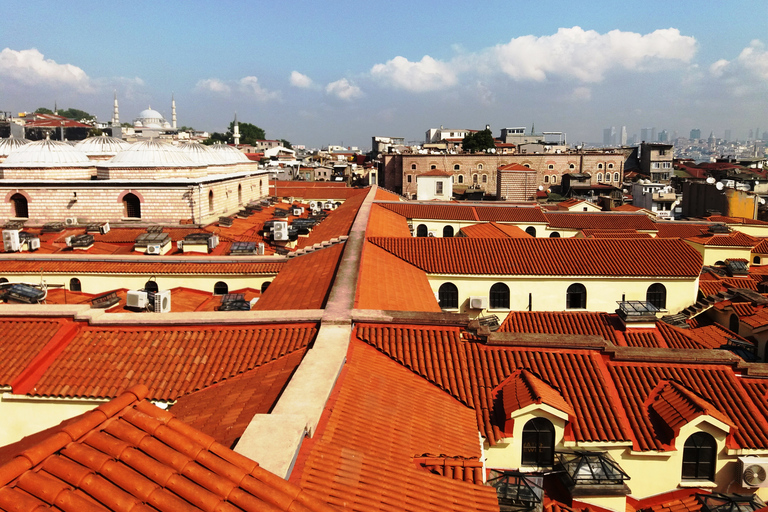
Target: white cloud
{"x":30,"y":67}
{"x":251,"y":85}
{"x":587,"y":55}
{"x":581,"y":94}
{"x":719,"y":68}
{"x":754,"y":58}
{"x":300,"y":80}
{"x":213,"y":85}
{"x":343,"y":89}
{"x":426,"y":75}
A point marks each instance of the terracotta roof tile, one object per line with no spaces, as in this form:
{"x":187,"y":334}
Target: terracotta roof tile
{"x":683,"y":500}
{"x":603,"y":220}
{"x":384,"y":222}
{"x":386,"y":195}
{"x":388,"y":283}
{"x":458,"y":468}
{"x":616,"y":233}
{"x":677,"y":405}
{"x":443,"y":211}
{"x":312,"y":193}
{"x":626,"y":208}
{"x":379,"y":418}
{"x":493,"y":230}
{"x":566,"y":322}
{"x":152,"y":266}
{"x":293,"y":289}
{"x":225,"y":409}
{"x":130,"y":455}
{"x":761,"y":248}
{"x":736,"y":220}
{"x":520,"y":214}
{"x":337,"y":223}
{"x":522,"y":388}
{"x":547,"y":256}
{"x":101,"y":362}
{"x":667,"y":229}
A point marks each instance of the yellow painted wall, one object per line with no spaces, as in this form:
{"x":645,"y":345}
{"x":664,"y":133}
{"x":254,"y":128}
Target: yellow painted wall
{"x":741,"y":204}
{"x":712,"y":255}
{"x":548,"y":293}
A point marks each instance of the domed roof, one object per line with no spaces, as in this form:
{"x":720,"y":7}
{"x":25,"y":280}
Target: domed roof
{"x":102,"y":145}
{"x":46,"y":153}
{"x":202,"y":154}
{"x":230,"y":154}
{"x":11,"y":143}
{"x":151,"y":153}
{"x":150,"y":118}
{"x":150,"y":114}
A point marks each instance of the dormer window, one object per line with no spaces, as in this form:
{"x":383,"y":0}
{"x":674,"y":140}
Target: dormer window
{"x":699,"y":457}
{"x":538,"y":443}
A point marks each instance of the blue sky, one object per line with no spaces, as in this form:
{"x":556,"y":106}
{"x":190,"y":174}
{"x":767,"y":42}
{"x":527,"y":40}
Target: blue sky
{"x":319,"y":73}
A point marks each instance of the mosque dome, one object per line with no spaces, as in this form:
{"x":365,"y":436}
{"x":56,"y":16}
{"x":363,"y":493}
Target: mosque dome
{"x":229,"y":154}
{"x":202,"y":154}
{"x":46,"y":153}
{"x":151,"y":119}
{"x":10,"y":144}
{"x":151,"y":153}
{"x":102,"y":145}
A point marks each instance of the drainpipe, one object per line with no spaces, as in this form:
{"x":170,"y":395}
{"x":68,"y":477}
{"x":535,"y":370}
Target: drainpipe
{"x":200,"y":204}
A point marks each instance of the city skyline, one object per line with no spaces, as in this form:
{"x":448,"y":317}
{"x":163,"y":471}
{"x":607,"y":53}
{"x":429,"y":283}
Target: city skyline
{"x":339,"y":74}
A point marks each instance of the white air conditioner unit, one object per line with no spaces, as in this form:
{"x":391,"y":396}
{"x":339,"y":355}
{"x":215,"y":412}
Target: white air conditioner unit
{"x":296,"y":212}
{"x":70,"y":221}
{"x":34,"y":244}
{"x":11,"y":240}
{"x":280,"y":231}
{"x":163,"y":301}
{"x":753,"y":471}
{"x":104,"y":228}
{"x":153,"y":249}
{"x":180,"y":245}
{"x":213,"y":241}
{"x":328,"y":205}
{"x":432,"y":234}
{"x":68,"y":241}
{"x":313,"y":205}
{"x":260,"y":250}
{"x":478,"y":302}
{"x":136,"y":299}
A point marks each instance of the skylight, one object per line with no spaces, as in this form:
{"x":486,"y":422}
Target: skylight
{"x":717,"y":502}
{"x":516,"y":491}
{"x":591,"y":468}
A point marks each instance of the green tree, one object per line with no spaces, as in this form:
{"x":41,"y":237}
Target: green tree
{"x":186,"y":129}
{"x":249,"y":133}
{"x":95,"y":132}
{"x":76,"y":114}
{"x":224,"y":138}
{"x":286,"y":144}
{"x":43,"y":110}
{"x":478,"y":141}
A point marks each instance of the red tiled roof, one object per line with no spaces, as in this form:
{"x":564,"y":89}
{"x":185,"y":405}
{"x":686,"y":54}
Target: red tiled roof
{"x":432,"y":211}
{"x":734,"y":239}
{"x":615,"y":233}
{"x":337,"y":223}
{"x":510,"y":214}
{"x":737,"y":220}
{"x":130,"y":455}
{"x":547,"y":256}
{"x":668,"y":229}
{"x":457,"y":468}
{"x":379,"y":418}
{"x":683,"y":500}
{"x":761,"y":248}
{"x":567,"y":322}
{"x":224,"y":410}
{"x":434,"y":172}
{"x":515,"y":167}
{"x":149,"y":265}
{"x":24,"y":339}
{"x":677,"y":405}
{"x":493,"y":230}
{"x":713,"y":336}
{"x":102,"y":362}
{"x":319,"y":193}
{"x":470,"y":372}
{"x":386,"y":195}
{"x":626,"y":208}
{"x":384,"y":222}
{"x":602,"y":220}
{"x":304,"y":282}
{"x":522,"y":388}
{"x":388,"y":283}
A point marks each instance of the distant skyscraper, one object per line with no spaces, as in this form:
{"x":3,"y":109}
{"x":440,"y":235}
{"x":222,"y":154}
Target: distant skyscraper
{"x":751,"y":135}
{"x":727,"y":135}
{"x":646,"y":134}
{"x":663,"y":136}
{"x":653,"y":135}
{"x":609,"y":136}
{"x":623,"y":135}
{"x":696,"y":133}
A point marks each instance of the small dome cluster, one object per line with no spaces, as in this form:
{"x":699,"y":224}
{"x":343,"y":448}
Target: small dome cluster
{"x":10,"y":144}
{"x":46,"y":153}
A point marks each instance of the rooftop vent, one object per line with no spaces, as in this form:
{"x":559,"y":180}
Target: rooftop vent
{"x":225,"y":221}
{"x":24,"y":293}
{"x":53,"y":227}
{"x":105,"y":301}
{"x":517,"y":491}
{"x":154,"y":229}
{"x":719,"y":229}
{"x":234,"y":302}
{"x":243,"y":248}
{"x":147,"y":239}
{"x":737,"y":267}
{"x":81,"y":241}
{"x":14,"y":224}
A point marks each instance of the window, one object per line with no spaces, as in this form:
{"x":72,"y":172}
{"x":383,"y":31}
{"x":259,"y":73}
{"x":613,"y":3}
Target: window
{"x":499,"y":296}
{"x":571,"y":166}
{"x":20,"y":207}
{"x":439,"y":188}
{"x":461,"y":178}
{"x":607,"y":176}
{"x":667,"y":165}
{"x":654,"y":165}
{"x":210,"y":201}
{"x":699,"y":457}
{"x":546,"y":179}
{"x":456,"y":167}
{"x":220,"y":288}
{"x":576,"y":297}
{"x":527,"y":165}
{"x":447,"y":231}
{"x":550,"y":167}
{"x":151,"y":286}
{"x":615,"y":176}
{"x":413,"y":167}
{"x":599,"y":166}
{"x":531,"y":231}
{"x":610,"y":166}
{"x":448,"y":295}
{"x":239,"y":194}
{"x":756,"y":260}
{"x":479,"y":167}
{"x":421,"y":230}
{"x":265,"y":285}
{"x":538,"y":443}
{"x":657,"y":295}
{"x":554,"y":179}
{"x":733,"y":323}
{"x":599,"y":177}
{"x":131,"y":206}
{"x":432,"y":167}
{"x":474,"y":179}
{"x":485,"y":178}
{"x":408,"y":178}
{"x":74,"y":285}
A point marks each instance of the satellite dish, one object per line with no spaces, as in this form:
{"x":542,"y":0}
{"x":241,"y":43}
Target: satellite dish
{"x":711,"y":180}
{"x":720,"y":185}
{"x":762,"y":200}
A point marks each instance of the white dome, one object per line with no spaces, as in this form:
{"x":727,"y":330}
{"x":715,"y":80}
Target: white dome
{"x":46,"y":153}
{"x":102,"y":145}
{"x":202,"y":154}
{"x":229,"y":154}
{"x":150,"y":119}
{"x":151,"y":153}
{"x":10,"y":144}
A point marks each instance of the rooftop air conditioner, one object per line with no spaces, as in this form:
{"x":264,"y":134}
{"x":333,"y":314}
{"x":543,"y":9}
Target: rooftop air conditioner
{"x":213,"y":241}
{"x":11,"y":240}
{"x":260,"y":250}
{"x":296,"y":212}
{"x":280,"y":231}
{"x":153,"y":249}
{"x":313,"y":205}
{"x":180,"y":245}
{"x":136,"y":299}
{"x":104,"y":228}
{"x":34,"y":244}
{"x":70,"y":221}
{"x":478,"y":302}
{"x":432,"y":234}
{"x":753,"y":471}
{"x":68,"y":241}
{"x":163,"y":301}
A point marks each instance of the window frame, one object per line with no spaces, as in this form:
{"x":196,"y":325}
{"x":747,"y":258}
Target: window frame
{"x":656,"y":294}
{"x":699,"y":458}
{"x":498,"y":296}
{"x":539,"y":434}
{"x":448,"y":296}
{"x":576,"y":291}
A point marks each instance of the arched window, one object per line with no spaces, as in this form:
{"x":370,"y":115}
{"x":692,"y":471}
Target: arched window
{"x":485,"y":178}
{"x":657,"y":295}
{"x":447,"y":231}
{"x":550,"y":167}
{"x":554,"y":179}
{"x":531,"y":231}
{"x":461,"y":178}
{"x":538,"y":443}
{"x":3,"y":280}
{"x":413,"y":167}
{"x":615,"y":176}
{"x":499,"y":296}
{"x":151,"y":286}
{"x":448,"y":295}
{"x":527,"y":165}
{"x":432,"y":167}
{"x":554,"y":234}
{"x":479,"y":167}
{"x":571,"y":166}
{"x":733,"y":323}
{"x":599,"y":177}
{"x":546,"y":179}
{"x":421,"y":230}
{"x":74,"y":285}
{"x":474,"y":179}
{"x":607,"y":177}
{"x":240,"y":194}
{"x":265,"y":285}
{"x":599,"y":166}
{"x":220,"y":288}
{"x":20,"y":207}
{"x":699,"y":457}
{"x":456,"y":167}
{"x":576,"y":297}
{"x":610,"y":166}
{"x":210,"y":201}
{"x":131,"y":206}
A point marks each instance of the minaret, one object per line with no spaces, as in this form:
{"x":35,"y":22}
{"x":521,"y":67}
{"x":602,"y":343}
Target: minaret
{"x":116,"y":113}
{"x":173,"y":112}
{"x":236,"y":132}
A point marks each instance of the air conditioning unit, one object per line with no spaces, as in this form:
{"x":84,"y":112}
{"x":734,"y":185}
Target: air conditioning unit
{"x":34,"y":244}
{"x":213,"y":241}
{"x":328,"y":205}
{"x":11,"y":240}
{"x":753,"y":471}
{"x":432,"y":234}
{"x":68,"y":241}
{"x":296,"y":212}
{"x":104,"y":228}
{"x":280,"y":231}
{"x":478,"y":302}
{"x":313,"y":205}
{"x":260,"y":250}
{"x":180,"y":245}
{"x":70,"y":221}
{"x":163,"y":301}
{"x":153,"y":249}
{"x":136,"y":299}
